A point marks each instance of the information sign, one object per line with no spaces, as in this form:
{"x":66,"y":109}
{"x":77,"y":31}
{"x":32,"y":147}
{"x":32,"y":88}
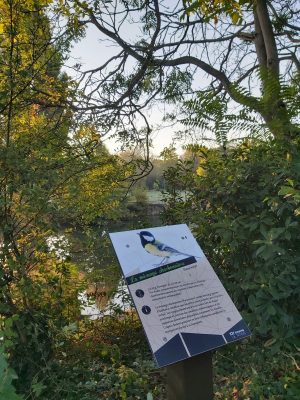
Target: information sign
{"x":181,"y":302}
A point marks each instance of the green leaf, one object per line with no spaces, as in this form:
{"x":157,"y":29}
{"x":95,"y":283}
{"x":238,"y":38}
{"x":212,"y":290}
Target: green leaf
{"x":7,"y":375}
{"x":275,"y":233}
{"x":38,"y":388}
{"x":271,"y":309}
{"x":286,"y":191}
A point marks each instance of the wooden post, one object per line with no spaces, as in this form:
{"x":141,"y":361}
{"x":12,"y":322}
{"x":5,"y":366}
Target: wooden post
{"x":191,"y":379}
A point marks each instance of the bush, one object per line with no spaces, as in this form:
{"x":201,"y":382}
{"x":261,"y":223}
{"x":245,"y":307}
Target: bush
{"x":105,"y":359}
{"x":141,"y":196}
{"x":243,"y":208}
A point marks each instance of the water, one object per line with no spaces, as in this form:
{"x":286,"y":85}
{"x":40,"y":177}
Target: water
{"x":119,"y":303}
{"x":85,"y":250}
{"x":92,"y":251}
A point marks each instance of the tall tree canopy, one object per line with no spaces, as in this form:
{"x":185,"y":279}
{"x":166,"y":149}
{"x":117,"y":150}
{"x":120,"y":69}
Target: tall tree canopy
{"x":45,"y":151}
{"x":243,"y":51}
{"x":50,"y":162}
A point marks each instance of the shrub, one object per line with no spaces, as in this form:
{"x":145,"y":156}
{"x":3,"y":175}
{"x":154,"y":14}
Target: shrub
{"x":244,"y":210}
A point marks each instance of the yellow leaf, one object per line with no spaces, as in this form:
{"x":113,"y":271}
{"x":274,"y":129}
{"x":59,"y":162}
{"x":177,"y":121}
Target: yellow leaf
{"x":201,"y":171}
{"x":235,"y":17}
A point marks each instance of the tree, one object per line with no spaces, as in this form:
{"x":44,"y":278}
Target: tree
{"x":46,"y":157}
{"x":251,"y":61}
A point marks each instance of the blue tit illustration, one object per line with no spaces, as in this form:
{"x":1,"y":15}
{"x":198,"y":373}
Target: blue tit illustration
{"x":156,"y":248}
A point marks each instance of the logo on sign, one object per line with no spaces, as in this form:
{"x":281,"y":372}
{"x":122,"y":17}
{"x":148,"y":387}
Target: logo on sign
{"x":236,"y":334}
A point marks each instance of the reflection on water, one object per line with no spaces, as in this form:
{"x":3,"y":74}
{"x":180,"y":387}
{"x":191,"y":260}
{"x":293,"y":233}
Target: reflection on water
{"x":87,"y":309}
{"x":92,"y":251}
{"x":118,"y":303}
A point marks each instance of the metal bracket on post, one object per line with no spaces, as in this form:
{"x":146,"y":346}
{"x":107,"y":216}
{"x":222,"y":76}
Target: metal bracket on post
{"x":191,"y":379}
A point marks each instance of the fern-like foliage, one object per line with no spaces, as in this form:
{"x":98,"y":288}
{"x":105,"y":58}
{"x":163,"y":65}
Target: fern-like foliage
{"x":290,"y":94}
{"x":279,"y":100}
{"x":210,"y":113}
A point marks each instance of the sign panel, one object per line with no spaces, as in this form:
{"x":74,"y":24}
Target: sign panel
{"x":181,"y":302}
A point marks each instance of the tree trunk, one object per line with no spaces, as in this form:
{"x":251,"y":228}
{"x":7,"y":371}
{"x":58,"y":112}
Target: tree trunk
{"x":273,"y":109}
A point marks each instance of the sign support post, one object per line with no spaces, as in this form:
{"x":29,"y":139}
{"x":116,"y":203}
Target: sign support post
{"x":191,"y":379}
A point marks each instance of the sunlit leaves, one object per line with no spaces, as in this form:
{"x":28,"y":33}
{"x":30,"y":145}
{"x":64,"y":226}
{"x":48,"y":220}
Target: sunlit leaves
{"x":96,"y":193}
{"x":213,"y":9}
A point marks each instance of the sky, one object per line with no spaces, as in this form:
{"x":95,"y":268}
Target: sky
{"x":94,"y":50}
{"x":91,"y":53}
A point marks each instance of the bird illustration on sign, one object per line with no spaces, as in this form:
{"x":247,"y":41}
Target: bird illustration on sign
{"x":159,"y":249}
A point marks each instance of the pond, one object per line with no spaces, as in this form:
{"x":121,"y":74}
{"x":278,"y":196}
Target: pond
{"x":92,"y":251}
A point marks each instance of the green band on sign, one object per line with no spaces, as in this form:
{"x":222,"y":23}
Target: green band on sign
{"x":160,"y":270}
